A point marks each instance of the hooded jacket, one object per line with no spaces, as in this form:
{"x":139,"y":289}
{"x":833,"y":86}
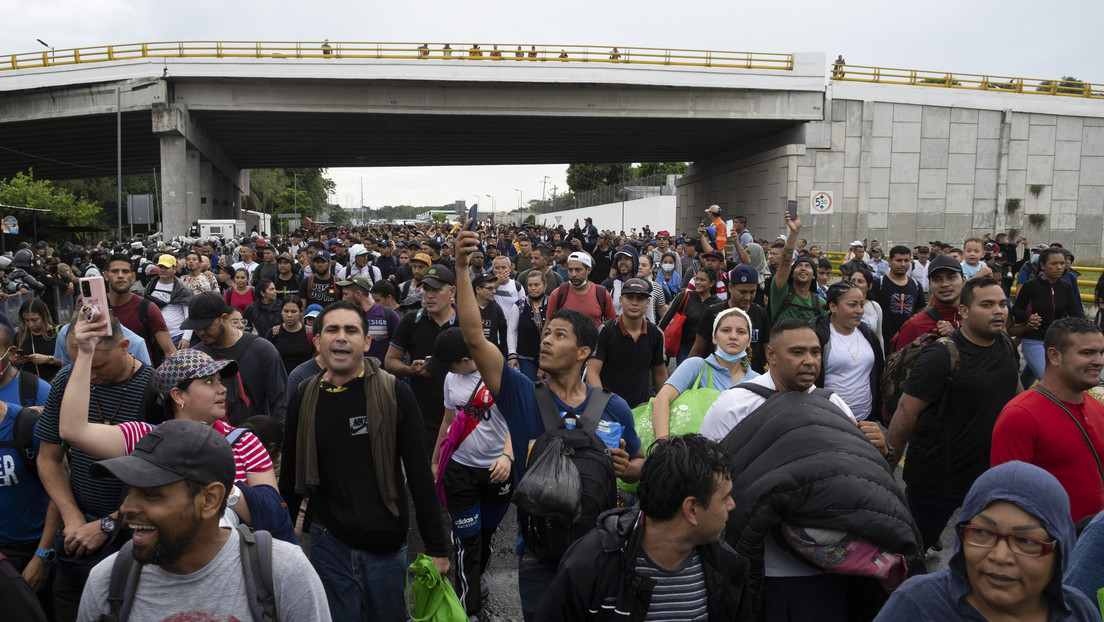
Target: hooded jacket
{"x":597,"y":578}
{"x":614,"y":283}
{"x":181,"y":293}
{"x":942,"y":595}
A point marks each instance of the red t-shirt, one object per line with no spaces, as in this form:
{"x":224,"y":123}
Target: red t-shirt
{"x":923,"y":323}
{"x":1032,"y":429}
{"x":586,"y":303}
{"x":128,"y":316}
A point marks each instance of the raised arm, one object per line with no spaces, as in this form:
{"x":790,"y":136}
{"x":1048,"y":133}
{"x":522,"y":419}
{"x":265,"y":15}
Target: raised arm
{"x":96,"y":439}
{"x":783,"y":273}
{"x":487,"y":357}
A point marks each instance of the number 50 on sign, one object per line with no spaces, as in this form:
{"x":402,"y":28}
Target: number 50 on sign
{"x":821,"y":202}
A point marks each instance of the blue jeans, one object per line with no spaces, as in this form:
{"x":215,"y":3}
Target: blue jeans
{"x":177,"y":339}
{"x":359,"y":585}
{"x":534,"y":577}
{"x":1035,"y":356}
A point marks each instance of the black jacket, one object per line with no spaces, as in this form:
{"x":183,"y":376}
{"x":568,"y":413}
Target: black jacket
{"x":597,"y":580}
{"x":821,"y":326}
{"x":802,"y":461}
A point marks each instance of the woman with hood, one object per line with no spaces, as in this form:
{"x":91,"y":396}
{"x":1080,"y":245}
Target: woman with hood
{"x":1015,"y":539}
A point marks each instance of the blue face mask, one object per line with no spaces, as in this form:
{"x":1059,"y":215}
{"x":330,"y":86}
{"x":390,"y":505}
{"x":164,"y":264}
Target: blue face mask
{"x":1034,"y":257}
{"x":730,"y":358}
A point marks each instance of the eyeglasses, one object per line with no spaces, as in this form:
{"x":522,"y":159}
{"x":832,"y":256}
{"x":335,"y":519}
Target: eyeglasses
{"x":1020,"y":545}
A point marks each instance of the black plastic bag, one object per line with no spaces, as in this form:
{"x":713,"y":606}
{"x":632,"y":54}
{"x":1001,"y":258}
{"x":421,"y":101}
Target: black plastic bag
{"x":550,"y":487}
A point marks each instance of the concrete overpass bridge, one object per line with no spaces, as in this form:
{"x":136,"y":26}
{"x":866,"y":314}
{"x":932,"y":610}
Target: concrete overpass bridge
{"x":904,"y":162}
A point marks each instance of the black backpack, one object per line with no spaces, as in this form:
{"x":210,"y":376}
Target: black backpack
{"x":28,"y":388}
{"x":23,"y":436}
{"x":545,"y":535}
{"x":256,"y":561}
{"x":238,"y":405}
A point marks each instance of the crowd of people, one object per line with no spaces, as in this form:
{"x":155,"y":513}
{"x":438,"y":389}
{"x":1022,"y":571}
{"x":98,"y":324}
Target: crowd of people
{"x":691,"y":427}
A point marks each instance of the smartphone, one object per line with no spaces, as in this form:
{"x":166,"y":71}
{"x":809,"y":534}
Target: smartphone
{"x":95,"y":301}
{"x":791,"y":209}
{"x":473,"y":215}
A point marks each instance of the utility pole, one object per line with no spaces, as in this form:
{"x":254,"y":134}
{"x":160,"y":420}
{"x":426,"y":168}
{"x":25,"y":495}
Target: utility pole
{"x":544,"y":183}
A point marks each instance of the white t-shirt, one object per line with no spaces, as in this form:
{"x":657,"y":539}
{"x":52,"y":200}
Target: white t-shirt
{"x":487,"y":440}
{"x":215,"y":592}
{"x":174,"y":314}
{"x":510,"y":294}
{"x":730,"y":409}
{"x":847,"y":371}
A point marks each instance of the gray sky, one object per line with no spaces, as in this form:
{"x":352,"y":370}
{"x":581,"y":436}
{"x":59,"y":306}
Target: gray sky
{"x":1011,"y":38}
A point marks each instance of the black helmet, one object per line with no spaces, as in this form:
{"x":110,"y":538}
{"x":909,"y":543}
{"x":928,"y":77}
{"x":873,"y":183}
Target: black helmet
{"x":23,"y":258}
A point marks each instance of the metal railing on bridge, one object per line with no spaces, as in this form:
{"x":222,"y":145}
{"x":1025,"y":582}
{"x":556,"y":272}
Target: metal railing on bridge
{"x":514,"y":52}
{"x":1063,"y":87}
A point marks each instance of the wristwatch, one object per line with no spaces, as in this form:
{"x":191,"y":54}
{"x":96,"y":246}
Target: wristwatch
{"x":107,"y":525}
{"x":891,"y":455}
{"x":232,"y":500}
{"x":48,"y":556}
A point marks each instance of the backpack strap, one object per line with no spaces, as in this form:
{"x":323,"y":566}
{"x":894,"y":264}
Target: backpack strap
{"x":595,"y":406}
{"x":235,"y":435}
{"x":28,"y":388}
{"x":256,"y":560}
{"x":933,"y":313}
{"x":23,"y":437}
{"x":757,"y":389}
{"x":546,"y":404}
{"x":241,"y":346}
{"x":125,"y":571}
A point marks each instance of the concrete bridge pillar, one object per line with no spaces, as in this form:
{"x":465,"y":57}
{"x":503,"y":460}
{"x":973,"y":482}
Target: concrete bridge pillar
{"x":174,"y":210}
{"x":206,"y":190}
{"x":192,"y":186}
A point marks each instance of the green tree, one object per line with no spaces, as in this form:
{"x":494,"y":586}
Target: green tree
{"x":583,"y":177}
{"x":1069,"y":85}
{"x":647,"y":169}
{"x":24,"y":190}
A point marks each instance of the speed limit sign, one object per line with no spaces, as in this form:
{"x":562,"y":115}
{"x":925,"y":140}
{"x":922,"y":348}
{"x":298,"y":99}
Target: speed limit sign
{"x":821,"y":202}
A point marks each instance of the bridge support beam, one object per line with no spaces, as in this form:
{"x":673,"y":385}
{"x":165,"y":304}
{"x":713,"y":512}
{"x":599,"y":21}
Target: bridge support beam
{"x":199,"y":180}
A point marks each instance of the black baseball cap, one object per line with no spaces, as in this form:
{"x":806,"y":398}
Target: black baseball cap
{"x":448,"y":349}
{"x":439,"y":276}
{"x":636,"y":286}
{"x":176,"y":450}
{"x":204,"y":309}
{"x":944,"y":262}
{"x":482,"y":278}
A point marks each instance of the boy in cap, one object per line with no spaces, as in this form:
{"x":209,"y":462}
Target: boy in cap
{"x":179,"y":477}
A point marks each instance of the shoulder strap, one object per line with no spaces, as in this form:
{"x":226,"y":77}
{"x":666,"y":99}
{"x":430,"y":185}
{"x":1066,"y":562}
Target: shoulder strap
{"x":546,"y":404}
{"x":933,"y":313}
{"x":235,"y":435}
{"x":241,"y":346}
{"x":28,"y":388}
{"x":1050,"y":396}
{"x":23,"y":435}
{"x":757,"y":389}
{"x":596,"y":405}
{"x":143,"y":310}
{"x":125,"y":571}
{"x":256,"y":560}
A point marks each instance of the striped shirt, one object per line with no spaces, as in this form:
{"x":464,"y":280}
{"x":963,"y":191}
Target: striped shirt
{"x":249,"y":454}
{"x":679,"y":595}
{"x":108,"y":403}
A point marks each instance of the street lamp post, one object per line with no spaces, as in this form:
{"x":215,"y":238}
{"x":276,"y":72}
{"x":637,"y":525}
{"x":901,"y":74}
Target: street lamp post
{"x":493,"y":202}
{"x":44,"y":44}
{"x":520,"y":197}
{"x":119,"y":149}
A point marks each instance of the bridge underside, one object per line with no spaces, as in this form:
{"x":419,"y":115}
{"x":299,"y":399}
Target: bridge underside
{"x":85,"y":146}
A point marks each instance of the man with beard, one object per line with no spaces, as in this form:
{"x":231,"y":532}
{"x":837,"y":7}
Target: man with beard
{"x":945,"y":280}
{"x":180,"y":478}
{"x":88,"y":507}
{"x":946,"y":415}
{"x":138,"y":314}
